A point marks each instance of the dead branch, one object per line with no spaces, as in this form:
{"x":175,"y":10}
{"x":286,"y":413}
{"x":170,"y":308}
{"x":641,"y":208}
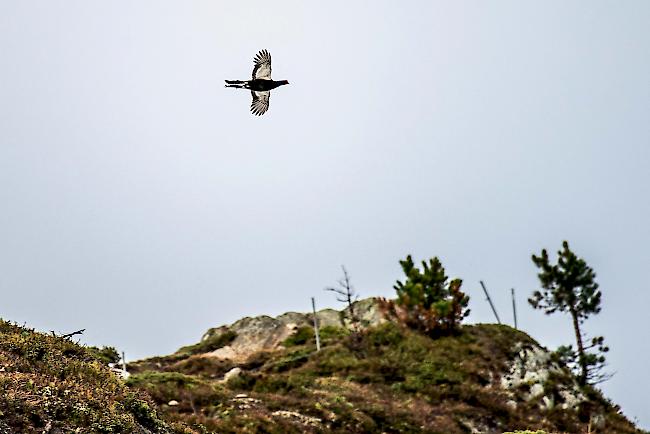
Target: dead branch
{"x":69,"y":335}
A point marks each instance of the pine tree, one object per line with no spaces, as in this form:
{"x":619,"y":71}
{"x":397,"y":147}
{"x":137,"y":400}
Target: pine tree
{"x":570,"y":286}
{"x":426,"y":300}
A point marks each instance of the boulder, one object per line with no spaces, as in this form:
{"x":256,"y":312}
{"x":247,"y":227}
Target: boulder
{"x":265,"y":333}
{"x":233,"y":373}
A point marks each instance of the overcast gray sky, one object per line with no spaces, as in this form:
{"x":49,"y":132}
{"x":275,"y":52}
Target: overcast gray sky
{"x":140,"y":199}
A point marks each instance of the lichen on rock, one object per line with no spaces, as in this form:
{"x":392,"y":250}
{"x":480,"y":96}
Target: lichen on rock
{"x":531,"y":376}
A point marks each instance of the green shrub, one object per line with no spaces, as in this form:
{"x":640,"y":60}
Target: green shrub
{"x":105,"y":355}
{"x":303,"y":335}
{"x":277,"y":383}
{"x":386,"y":334}
{"x":163,"y":386}
{"x":153,"y":378}
{"x":143,"y":413}
{"x":209,"y":367}
{"x":337,"y":360}
{"x":243,"y":381}
{"x":330,"y":334}
{"x":289,"y":361}
{"x":212,"y":343}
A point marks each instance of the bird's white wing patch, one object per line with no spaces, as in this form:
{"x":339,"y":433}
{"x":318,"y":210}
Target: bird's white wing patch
{"x":260,"y":103}
{"x":262,"y":68}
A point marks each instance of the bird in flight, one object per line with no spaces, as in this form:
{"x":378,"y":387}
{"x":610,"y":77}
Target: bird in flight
{"x":261,"y":84}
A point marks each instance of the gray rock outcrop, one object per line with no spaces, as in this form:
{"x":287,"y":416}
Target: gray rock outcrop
{"x":533,"y":368}
{"x":265,"y":333}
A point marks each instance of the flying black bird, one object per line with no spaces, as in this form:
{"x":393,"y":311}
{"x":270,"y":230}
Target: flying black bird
{"x":261,"y":84}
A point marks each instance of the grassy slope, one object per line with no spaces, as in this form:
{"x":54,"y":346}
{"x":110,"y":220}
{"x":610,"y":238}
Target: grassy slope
{"x":389,"y":380}
{"x":52,"y":384}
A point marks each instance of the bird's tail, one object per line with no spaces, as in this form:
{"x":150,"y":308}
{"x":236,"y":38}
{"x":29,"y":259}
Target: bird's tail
{"x":235,"y":83}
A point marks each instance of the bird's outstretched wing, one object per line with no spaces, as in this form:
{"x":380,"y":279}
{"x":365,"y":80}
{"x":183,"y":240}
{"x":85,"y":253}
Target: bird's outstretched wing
{"x":262,"y":68}
{"x":260,"y":103}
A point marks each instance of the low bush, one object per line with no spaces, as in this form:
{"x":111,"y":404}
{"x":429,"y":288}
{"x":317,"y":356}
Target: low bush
{"x":209,"y":344}
{"x":49,"y":381}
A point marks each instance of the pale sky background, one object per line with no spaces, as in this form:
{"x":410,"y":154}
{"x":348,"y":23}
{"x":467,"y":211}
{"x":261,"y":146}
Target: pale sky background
{"x":140,"y":199}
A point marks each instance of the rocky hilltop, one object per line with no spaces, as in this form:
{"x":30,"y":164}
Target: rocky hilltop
{"x":265,"y":333}
{"x":263,"y":374}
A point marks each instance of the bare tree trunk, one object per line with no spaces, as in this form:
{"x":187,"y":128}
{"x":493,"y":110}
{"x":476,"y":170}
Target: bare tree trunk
{"x":349,"y":295}
{"x":581,"y":349}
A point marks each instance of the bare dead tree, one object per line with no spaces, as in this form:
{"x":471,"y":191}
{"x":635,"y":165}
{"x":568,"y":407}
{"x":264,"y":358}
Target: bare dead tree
{"x":69,"y":335}
{"x":346,"y":294}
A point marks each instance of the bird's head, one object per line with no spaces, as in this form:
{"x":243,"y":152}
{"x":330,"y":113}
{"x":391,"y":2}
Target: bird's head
{"x":284,"y":82}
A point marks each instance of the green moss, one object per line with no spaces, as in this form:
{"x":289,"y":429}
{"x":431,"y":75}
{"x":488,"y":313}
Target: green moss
{"x":212,"y":343}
